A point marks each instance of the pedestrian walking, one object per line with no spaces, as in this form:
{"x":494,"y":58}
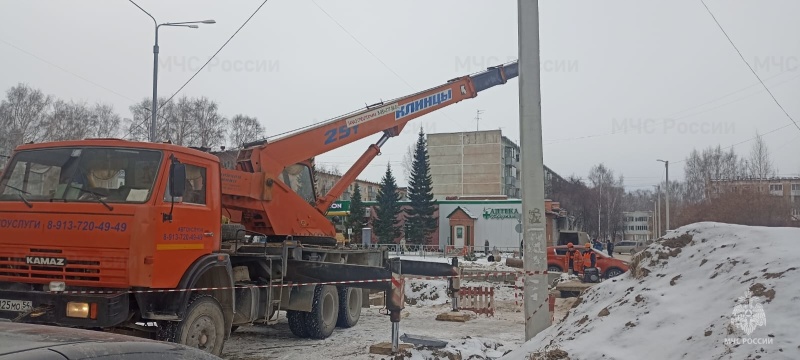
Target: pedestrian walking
{"x":610,"y":248}
{"x":486,"y":247}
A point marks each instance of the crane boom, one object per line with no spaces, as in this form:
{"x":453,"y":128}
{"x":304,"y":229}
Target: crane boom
{"x":275,"y":208}
{"x":384,"y":116}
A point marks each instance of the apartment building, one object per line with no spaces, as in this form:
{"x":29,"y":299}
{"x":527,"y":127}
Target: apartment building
{"x":476,"y":163}
{"x":638,"y":225}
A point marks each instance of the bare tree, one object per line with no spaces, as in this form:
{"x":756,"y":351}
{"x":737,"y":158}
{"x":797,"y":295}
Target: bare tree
{"x":138,"y":127}
{"x":77,"y":120}
{"x":760,"y":163}
{"x":408,"y":160}
{"x":638,"y":200}
{"x":711,"y":164}
{"x":68,"y":121}
{"x":244,"y":129}
{"x":738,"y":207}
{"x":211,"y":126}
{"x":105,"y":122}
{"x":21,"y":115}
{"x":181,"y":127}
{"x":607,"y":193}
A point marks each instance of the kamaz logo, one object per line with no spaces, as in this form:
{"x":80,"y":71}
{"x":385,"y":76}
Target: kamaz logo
{"x":35,"y":260}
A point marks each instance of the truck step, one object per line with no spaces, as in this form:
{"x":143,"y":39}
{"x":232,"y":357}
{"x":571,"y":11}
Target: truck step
{"x":275,"y":310}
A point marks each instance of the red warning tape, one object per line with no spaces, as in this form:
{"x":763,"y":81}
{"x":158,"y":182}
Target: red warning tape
{"x":291,"y":284}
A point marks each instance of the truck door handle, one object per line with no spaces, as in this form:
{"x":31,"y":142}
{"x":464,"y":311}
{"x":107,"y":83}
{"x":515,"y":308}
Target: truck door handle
{"x":209,"y":234}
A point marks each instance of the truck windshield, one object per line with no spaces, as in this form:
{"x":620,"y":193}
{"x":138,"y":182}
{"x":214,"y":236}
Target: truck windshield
{"x":115,"y":175}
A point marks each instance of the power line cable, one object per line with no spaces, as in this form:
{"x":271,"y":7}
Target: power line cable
{"x":209,"y":59}
{"x":361,"y":44}
{"x":370,"y":51}
{"x":744,"y":141}
{"x":555,"y":141}
{"x":793,"y":122}
{"x":748,"y":66}
{"x":217,"y":52}
{"x":65,"y":70}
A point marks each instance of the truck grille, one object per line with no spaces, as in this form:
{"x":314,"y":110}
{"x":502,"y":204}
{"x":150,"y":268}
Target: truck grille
{"x":80,"y":268}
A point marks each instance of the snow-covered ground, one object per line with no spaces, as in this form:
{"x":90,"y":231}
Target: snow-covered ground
{"x":488,"y":337}
{"x":680,"y":302}
{"x":482,"y":337}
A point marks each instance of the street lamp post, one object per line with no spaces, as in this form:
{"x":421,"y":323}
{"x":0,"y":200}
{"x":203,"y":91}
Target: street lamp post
{"x":154,"y":108}
{"x":666,"y":195}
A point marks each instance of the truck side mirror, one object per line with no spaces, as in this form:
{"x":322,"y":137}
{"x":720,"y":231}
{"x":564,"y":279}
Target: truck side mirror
{"x":177,"y":179}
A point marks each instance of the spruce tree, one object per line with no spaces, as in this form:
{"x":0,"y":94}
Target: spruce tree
{"x":419,"y":217}
{"x":355,"y":220}
{"x":387,"y":226}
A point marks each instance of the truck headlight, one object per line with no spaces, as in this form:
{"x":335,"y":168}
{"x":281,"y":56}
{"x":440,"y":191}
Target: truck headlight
{"x":57,"y":286}
{"x":77,"y":310}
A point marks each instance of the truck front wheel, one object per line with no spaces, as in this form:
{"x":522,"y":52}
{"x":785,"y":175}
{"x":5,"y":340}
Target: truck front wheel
{"x":321,"y":321}
{"x":202,"y":327}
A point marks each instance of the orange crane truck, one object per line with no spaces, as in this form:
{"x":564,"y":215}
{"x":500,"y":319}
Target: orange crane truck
{"x":162,"y":241}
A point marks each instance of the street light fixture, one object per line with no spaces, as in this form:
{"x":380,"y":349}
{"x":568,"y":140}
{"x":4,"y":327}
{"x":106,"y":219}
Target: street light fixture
{"x":666,"y":165}
{"x":154,"y":108}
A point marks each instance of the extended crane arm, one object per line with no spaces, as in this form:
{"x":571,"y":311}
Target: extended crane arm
{"x":273,"y":207}
{"x":427,"y":101}
{"x":336,"y":133}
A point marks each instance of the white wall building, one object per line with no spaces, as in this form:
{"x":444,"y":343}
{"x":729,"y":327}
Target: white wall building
{"x":637,"y":225}
{"x":495,"y":220}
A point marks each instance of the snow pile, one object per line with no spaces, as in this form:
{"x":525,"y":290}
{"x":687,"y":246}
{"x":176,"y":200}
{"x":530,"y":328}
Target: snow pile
{"x":467,"y":348}
{"x":565,"y":277}
{"x":688,"y":296}
{"x":484,"y":264}
{"x":426,"y":292}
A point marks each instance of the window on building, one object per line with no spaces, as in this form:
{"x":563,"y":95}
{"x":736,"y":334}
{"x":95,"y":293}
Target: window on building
{"x":795,"y":187}
{"x":775,"y":187}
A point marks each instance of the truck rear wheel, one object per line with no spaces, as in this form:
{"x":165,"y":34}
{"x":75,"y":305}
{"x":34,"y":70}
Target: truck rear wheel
{"x":297,"y":323}
{"x":321,"y":321}
{"x":349,"y":306}
{"x":202,"y":327}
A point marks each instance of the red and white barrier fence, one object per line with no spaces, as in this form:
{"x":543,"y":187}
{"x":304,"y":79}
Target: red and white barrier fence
{"x":518,"y":274}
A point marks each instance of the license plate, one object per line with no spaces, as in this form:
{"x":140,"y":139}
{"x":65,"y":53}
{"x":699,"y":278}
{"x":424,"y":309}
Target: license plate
{"x":15,"y":305}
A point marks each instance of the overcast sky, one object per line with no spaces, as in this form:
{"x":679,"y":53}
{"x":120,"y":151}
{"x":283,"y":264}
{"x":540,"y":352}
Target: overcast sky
{"x":606,"y":67}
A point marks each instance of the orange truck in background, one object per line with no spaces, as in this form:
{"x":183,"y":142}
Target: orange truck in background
{"x":134,"y":237}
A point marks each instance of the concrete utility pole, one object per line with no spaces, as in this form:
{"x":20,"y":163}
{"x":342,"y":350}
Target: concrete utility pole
{"x":654,"y":226}
{"x":537,"y":313}
{"x":666,"y":194}
{"x":658,"y":195}
{"x":154,"y":108}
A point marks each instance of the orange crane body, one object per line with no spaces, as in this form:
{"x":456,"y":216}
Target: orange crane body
{"x":108,"y":233}
{"x":275,"y":209}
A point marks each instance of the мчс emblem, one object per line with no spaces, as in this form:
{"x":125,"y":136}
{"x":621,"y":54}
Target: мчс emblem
{"x":748,"y":313}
